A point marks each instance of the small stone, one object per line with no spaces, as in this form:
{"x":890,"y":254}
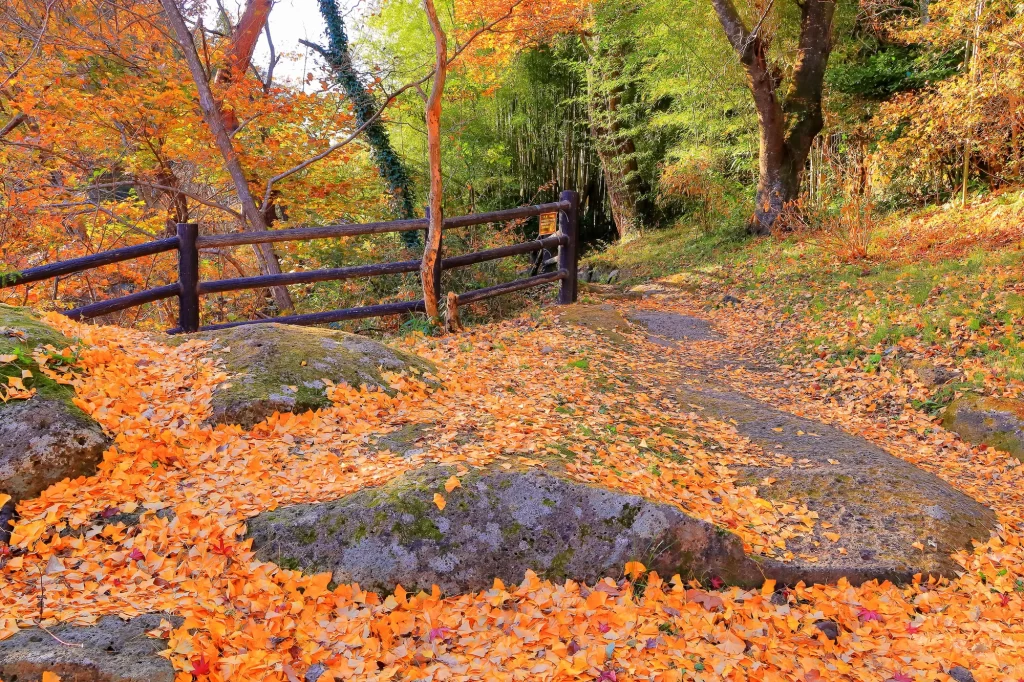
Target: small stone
{"x":779,"y":598}
{"x":314,"y":672}
{"x":545,"y":350}
{"x":961,"y":674}
{"x":829,"y":628}
{"x":729,"y":299}
{"x":613,"y":277}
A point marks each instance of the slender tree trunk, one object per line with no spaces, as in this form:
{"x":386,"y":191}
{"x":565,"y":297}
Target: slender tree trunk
{"x":432,"y":249}
{"x":389,"y":164}
{"x":212,"y":115}
{"x":787,"y":128}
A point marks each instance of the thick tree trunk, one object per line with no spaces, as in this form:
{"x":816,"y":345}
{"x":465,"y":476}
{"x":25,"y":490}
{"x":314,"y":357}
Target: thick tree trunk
{"x":788,"y":127}
{"x":428,"y":267}
{"x":389,"y":164}
{"x":217,"y":126}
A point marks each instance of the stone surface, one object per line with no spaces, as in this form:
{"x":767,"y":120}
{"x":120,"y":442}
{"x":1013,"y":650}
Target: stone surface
{"x":961,"y":674}
{"x":113,"y":651}
{"x":996,"y":422}
{"x":45,"y":438}
{"x":932,"y":375}
{"x":674,"y":326}
{"x":281,"y":368}
{"x":43,"y":441}
{"x":499,"y":523}
{"x":879,"y":504}
{"x":603,"y":319}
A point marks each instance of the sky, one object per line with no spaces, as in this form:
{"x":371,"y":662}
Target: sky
{"x":291,"y":21}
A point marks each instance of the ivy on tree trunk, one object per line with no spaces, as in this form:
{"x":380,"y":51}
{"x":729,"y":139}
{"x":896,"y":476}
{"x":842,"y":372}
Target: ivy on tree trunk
{"x":389,"y":164}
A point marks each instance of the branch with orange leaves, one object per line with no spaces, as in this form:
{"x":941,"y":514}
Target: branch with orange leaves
{"x":415,"y":85}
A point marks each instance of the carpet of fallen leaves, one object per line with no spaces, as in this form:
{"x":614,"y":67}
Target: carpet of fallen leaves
{"x":520,"y":393}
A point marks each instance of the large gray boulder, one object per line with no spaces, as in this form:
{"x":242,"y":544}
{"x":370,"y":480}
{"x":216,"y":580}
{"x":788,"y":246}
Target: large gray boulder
{"x":113,"y":650}
{"x":281,"y":368}
{"x":499,"y":523}
{"x":996,"y":422}
{"x":46,"y":438}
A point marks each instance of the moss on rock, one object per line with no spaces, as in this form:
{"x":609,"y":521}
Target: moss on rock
{"x":282,"y":368}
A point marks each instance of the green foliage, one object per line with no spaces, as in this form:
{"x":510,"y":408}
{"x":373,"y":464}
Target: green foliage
{"x":882,"y":71}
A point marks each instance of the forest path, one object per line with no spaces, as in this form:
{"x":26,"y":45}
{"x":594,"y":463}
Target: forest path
{"x":878,"y":516}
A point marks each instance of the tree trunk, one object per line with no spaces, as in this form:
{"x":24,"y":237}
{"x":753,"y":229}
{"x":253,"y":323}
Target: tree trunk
{"x":787,"y":128}
{"x":389,"y":164}
{"x":627,"y":191}
{"x":432,"y":249}
{"x":212,"y":115}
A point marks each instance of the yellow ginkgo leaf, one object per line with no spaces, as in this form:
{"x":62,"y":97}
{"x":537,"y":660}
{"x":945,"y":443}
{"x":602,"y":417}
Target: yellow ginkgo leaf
{"x":834,"y":537}
{"x":439,"y":501}
{"x":451,"y":484}
{"x":635,"y":569}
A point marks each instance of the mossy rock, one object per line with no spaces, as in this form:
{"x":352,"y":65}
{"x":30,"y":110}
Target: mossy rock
{"x":113,"y":650}
{"x":498,"y":523}
{"x":281,"y":368}
{"x":46,"y":438}
{"x":996,"y":422}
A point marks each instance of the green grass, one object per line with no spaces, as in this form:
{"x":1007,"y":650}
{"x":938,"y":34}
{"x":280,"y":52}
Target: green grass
{"x":887,"y":301}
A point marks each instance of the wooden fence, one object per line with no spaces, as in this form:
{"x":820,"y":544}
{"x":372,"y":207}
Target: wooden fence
{"x":188,"y":289}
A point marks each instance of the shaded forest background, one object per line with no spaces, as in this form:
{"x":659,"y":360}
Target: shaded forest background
{"x":642,"y":106}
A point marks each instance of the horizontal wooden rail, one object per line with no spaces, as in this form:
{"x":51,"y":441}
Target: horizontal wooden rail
{"x":509,"y":287}
{"x":381,"y":310}
{"x":503,"y":252}
{"x":189,"y":288}
{"x":285,"y":279}
{"x":306,"y":233}
{"x":334,"y":231}
{"x":68,"y":267}
{"x":131,"y":300}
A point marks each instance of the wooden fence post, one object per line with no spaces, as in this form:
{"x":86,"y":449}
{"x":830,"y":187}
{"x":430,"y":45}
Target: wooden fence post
{"x":568,"y":254}
{"x":188,"y":277}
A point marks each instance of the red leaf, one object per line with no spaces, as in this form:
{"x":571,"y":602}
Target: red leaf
{"x":200,"y":666}
{"x":136,"y":555}
{"x":220,"y":547}
{"x":717,"y":582}
{"x":868,"y":615}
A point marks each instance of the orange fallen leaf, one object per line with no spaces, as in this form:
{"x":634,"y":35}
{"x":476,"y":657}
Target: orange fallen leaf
{"x":439,"y":501}
{"x":451,"y":484}
{"x":635,"y":569}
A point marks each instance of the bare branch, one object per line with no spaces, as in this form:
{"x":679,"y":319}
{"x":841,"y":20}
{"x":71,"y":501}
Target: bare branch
{"x":12,"y":124}
{"x":417,"y":85}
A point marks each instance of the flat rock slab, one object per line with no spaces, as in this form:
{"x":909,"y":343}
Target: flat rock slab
{"x":113,"y":650}
{"x":879,"y":504}
{"x":674,"y":326}
{"x":281,"y":368}
{"x":497,"y":524}
{"x":604,"y":319}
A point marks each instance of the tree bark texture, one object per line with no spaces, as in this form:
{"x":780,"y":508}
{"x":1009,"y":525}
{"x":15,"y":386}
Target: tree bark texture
{"x":627,"y":191}
{"x":432,"y":248}
{"x":212,"y":115}
{"x":787,"y":126}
